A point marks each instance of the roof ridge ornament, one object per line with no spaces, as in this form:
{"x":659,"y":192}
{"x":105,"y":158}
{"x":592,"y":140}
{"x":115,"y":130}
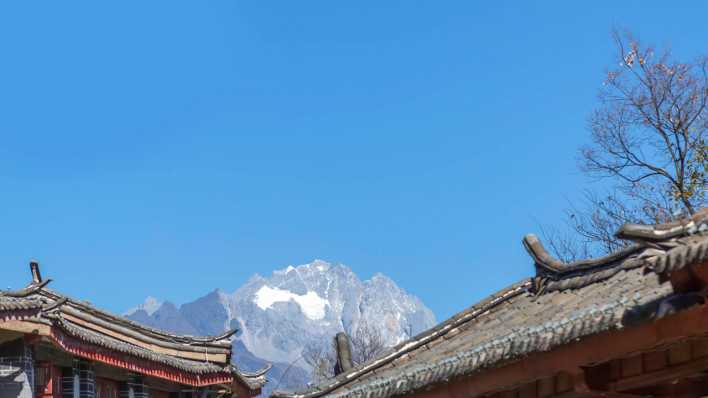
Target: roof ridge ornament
{"x":660,"y":236}
{"x":55,"y":305}
{"x":258,"y":373}
{"x":223,"y":336}
{"x":343,"y":348}
{"x":697,"y":223}
{"x":540,"y":255}
{"x":549,"y":267}
{"x":36,"y":274}
{"x":28,"y":291}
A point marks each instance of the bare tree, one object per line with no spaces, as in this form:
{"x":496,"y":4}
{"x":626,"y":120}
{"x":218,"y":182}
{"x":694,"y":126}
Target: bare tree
{"x":322,"y":359}
{"x":367,"y":343}
{"x":566,"y":245}
{"x":648,"y":136}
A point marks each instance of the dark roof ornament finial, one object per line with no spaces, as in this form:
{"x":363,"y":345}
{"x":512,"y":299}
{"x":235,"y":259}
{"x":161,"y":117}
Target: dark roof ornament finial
{"x":660,"y":236}
{"x":696,"y":224}
{"x":36,"y":274}
{"x":541,"y":257}
{"x":344,"y":353}
{"x":550,"y":268}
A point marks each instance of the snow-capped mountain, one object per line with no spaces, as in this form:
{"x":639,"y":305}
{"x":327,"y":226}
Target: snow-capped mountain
{"x":294,"y":308}
{"x":150,"y":305}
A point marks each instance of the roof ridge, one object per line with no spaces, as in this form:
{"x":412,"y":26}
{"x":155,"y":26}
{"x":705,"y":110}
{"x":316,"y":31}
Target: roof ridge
{"x":650,"y":240}
{"x":697,"y":222}
{"x":419,"y":340}
{"x":498,"y":349}
{"x":682,"y":243}
{"x":215,"y":341}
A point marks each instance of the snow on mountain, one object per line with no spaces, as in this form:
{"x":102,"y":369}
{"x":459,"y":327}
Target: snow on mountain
{"x":311,"y":304}
{"x":150,"y":305}
{"x":296,"y":307}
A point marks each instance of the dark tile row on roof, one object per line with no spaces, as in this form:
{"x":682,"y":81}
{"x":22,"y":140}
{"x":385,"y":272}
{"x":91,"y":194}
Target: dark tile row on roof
{"x":561,"y":304}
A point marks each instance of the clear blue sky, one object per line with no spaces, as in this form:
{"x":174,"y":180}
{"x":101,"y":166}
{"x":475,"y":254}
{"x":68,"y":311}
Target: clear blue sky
{"x":167,"y":148}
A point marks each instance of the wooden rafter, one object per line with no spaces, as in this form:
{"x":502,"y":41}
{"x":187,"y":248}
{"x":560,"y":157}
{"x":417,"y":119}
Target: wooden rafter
{"x":667,"y":375}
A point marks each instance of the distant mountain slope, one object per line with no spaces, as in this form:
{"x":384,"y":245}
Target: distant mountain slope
{"x":294,"y":308}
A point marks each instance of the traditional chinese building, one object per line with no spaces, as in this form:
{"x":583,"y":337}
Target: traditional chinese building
{"x":54,"y":346}
{"x":630,"y":324}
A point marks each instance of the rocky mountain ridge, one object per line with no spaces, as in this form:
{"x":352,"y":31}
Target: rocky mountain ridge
{"x":294,"y":308}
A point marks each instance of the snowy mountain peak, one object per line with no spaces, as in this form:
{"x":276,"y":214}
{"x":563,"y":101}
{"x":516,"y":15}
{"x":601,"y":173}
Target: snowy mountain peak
{"x":297,"y":307}
{"x":315,"y":265}
{"x":319,"y":265}
{"x":150,"y":305}
{"x":382,"y":279}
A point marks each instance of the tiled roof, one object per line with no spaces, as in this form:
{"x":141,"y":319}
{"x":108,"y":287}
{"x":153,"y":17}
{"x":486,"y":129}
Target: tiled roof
{"x":113,"y":344}
{"x":83,"y":322}
{"x":562,"y":303}
{"x":13,"y":303}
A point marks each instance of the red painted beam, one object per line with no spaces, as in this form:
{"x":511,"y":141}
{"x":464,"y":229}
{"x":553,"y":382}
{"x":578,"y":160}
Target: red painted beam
{"x":137,"y":365}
